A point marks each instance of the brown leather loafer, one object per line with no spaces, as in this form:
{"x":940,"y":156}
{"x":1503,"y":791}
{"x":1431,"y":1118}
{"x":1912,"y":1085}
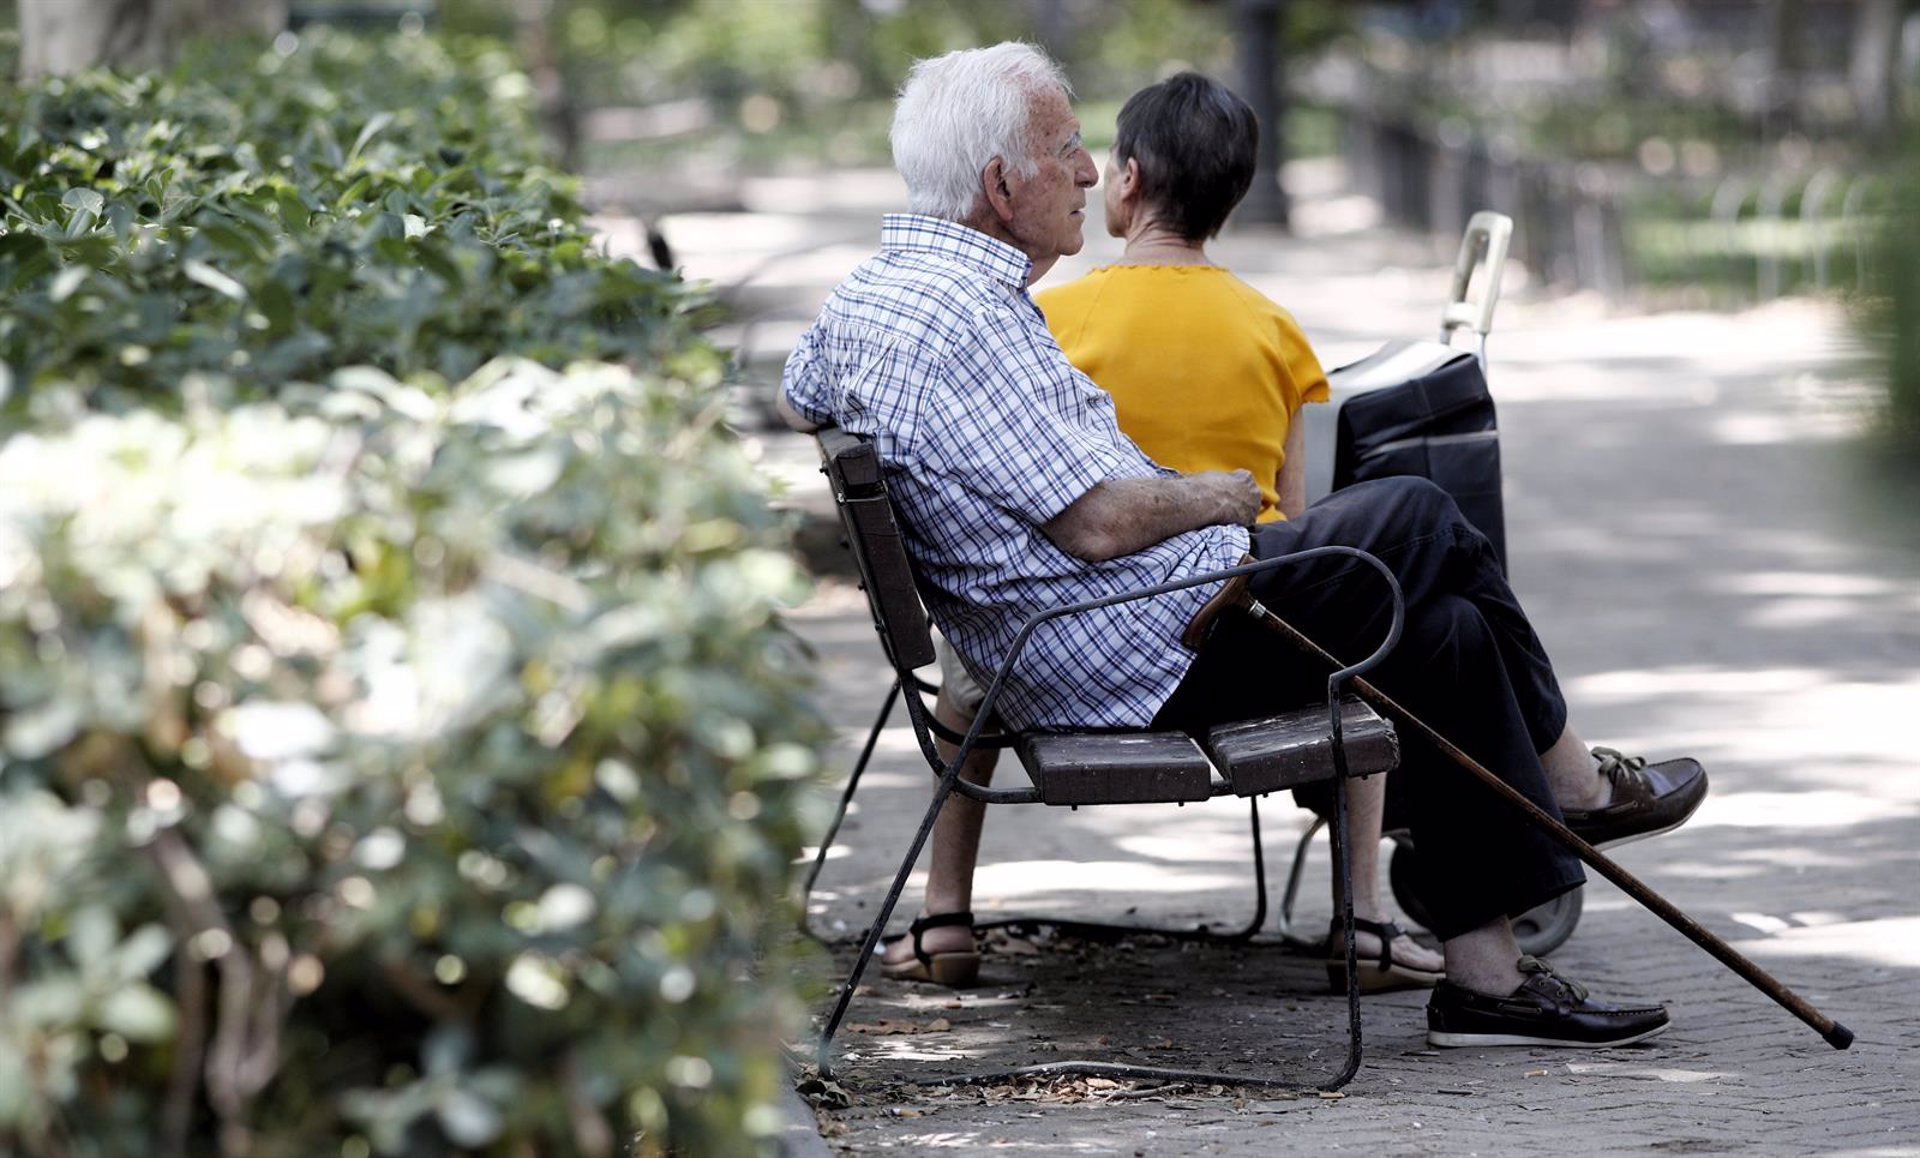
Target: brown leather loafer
{"x":1648,"y":799}
{"x":1547,"y":1009}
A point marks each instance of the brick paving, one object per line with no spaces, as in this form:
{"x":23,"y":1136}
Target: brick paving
{"x":1716,"y":567}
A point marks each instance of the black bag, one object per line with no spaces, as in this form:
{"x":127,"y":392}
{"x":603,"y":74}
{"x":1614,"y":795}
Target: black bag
{"x":1437,"y":424}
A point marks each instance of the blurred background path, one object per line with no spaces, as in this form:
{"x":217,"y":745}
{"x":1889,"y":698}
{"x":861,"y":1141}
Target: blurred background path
{"x":1716,"y":569}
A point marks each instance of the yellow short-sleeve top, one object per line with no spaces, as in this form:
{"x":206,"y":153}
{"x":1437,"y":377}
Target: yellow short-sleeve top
{"x":1206,"y":372}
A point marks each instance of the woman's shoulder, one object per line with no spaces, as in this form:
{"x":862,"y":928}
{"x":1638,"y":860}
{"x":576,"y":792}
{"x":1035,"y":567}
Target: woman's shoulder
{"x":1085,"y":285}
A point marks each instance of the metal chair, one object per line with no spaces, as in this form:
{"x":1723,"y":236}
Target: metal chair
{"x":1334,"y":741}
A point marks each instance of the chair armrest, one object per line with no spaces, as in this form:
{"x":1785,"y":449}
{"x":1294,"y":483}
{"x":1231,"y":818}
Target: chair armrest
{"x":1225,"y":573}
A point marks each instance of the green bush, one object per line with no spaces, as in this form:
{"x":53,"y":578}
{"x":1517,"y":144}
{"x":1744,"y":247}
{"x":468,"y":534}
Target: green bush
{"x":400,"y":750}
{"x":273,"y":216}
{"x":421,"y":767}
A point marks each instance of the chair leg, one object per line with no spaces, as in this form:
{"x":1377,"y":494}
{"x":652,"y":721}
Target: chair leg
{"x":846,"y":799}
{"x":1259,"y":877}
{"x":1345,"y":1074}
{"x":1341,"y":866}
{"x":1343,"y":869}
{"x":1293,"y":882}
{"x":880,"y":918}
{"x":1106,"y":931}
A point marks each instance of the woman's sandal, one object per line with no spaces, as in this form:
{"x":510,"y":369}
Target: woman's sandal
{"x":956,"y":969}
{"x":1378,"y":975}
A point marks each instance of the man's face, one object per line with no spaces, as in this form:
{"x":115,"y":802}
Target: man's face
{"x":1049,"y":208}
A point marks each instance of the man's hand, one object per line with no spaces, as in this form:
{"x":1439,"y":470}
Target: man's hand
{"x":1121,"y":516}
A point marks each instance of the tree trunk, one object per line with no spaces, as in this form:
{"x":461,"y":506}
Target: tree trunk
{"x":1875,"y":67}
{"x":533,"y":33}
{"x":1258,"y":26}
{"x":58,"y":37}
{"x":1782,"y":48}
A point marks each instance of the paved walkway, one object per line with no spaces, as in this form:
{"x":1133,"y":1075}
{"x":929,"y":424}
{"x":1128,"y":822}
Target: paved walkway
{"x":1716,"y":568}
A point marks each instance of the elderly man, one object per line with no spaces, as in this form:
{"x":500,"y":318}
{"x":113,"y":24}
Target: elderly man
{"x":1018,"y":492}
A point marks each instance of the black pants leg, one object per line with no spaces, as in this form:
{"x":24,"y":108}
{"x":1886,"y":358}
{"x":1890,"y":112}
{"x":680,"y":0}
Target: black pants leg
{"x":1468,"y":663}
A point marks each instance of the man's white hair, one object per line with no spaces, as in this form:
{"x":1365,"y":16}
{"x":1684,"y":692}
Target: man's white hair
{"x":959,"y":111}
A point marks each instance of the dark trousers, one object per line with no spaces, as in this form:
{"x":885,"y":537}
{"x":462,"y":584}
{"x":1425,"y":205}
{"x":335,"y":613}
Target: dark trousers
{"x":1468,"y":663}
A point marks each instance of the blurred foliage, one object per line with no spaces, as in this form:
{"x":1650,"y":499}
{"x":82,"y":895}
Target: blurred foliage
{"x":424,"y":765}
{"x":1701,"y":170}
{"x":814,"y":77}
{"x":400,"y":751}
{"x":333,"y":202}
{"x":1888,"y":313}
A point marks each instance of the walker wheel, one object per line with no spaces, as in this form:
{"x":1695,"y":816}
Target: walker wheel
{"x":1539,"y":930}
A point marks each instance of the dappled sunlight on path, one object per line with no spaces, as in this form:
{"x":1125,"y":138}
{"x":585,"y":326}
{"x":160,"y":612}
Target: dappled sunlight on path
{"x":1713,"y":573}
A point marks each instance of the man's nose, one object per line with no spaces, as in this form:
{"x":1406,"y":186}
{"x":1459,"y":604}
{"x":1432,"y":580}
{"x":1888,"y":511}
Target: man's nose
{"x":1089,"y":175}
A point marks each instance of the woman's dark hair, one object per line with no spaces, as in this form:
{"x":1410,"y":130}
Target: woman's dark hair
{"x":1196,"y":143}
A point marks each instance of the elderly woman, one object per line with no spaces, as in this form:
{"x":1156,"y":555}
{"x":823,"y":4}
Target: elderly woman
{"x":1207,"y":373}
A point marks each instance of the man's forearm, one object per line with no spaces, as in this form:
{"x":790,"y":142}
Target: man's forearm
{"x":1121,"y":516}
{"x":792,"y":417}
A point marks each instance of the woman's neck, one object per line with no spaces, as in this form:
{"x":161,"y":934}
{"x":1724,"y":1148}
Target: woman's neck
{"x":1152,"y":244}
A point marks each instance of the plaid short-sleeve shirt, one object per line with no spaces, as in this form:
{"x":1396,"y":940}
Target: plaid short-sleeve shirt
{"x":985,"y":431}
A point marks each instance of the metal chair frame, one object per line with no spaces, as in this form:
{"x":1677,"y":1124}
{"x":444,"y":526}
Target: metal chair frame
{"x":901,"y":624}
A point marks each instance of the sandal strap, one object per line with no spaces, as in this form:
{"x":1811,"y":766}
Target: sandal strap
{"x":1385,"y":930}
{"x":920,"y":925}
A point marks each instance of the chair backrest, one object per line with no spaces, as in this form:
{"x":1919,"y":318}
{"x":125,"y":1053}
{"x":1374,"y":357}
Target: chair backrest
{"x":852,"y":467}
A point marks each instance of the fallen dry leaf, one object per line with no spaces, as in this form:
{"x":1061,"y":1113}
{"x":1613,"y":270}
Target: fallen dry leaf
{"x":889,"y":1027}
{"x":822,"y":1094}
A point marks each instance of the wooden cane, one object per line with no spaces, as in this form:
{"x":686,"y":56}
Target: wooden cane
{"x":1836,"y":1035}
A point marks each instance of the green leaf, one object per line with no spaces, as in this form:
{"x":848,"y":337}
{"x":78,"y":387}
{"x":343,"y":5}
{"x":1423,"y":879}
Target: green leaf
{"x":435,"y":261}
{"x":86,"y":206}
{"x":88,"y":200}
{"x":55,"y":1000}
{"x":120,"y":216}
{"x":91,"y":934}
{"x":142,"y":952}
{"x":276,"y":304}
{"x":469,"y":1120}
{"x":234,"y":242}
{"x":214,"y":280}
{"x":371,"y":130}
{"x":352,"y":193}
{"x":39,"y":731}
{"x":66,"y":282}
{"x":137,"y":1012}
{"x":294,"y":214}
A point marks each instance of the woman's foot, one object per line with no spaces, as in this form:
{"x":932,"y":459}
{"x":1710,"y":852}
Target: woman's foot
{"x":1389,"y":958}
{"x":938,"y":948}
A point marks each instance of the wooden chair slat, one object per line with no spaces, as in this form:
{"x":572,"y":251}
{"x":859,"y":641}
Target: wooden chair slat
{"x":1116,"y":767}
{"x":1296,"y":748}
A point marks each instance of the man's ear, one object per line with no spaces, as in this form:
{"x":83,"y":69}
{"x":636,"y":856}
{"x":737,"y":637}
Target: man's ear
{"x":994,"y":185}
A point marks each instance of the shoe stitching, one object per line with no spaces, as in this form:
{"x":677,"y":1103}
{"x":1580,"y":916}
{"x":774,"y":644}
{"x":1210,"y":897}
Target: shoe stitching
{"x":1632,"y":791}
{"x":1540,"y":975}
